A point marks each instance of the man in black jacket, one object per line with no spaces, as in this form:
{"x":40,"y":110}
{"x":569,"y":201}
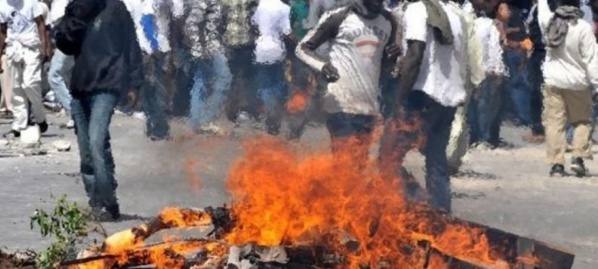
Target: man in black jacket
{"x":108,"y":65}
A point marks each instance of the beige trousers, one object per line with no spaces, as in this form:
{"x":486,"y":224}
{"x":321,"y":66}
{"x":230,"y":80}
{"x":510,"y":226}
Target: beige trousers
{"x":27,"y":92}
{"x":6,"y":85}
{"x":562,"y":106}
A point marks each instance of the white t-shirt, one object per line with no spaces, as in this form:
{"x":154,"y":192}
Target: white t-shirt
{"x":440,"y":75}
{"x":138,"y":8}
{"x":492,"y":51}
{"x":273,"y":19}
{"x":20,"y":16}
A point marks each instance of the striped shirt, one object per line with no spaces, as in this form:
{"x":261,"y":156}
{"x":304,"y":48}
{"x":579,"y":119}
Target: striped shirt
{"x":356,"y":50}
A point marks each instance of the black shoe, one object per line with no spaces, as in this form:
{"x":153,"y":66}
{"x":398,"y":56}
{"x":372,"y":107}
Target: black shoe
{"x":578,"y":167}
{"x":43,"y":127}
{"x":12,"y":134}
{"x":114,"y":212}
{"x":557,"y":170}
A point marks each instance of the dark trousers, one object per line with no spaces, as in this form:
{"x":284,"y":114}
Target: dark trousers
{"x":154,"y":97}
{"x":426,"y":124}
{"x":351,"y":137}
{"x":243,"y":94}
{"x":92,"y":114}
{"x":485,"y":111}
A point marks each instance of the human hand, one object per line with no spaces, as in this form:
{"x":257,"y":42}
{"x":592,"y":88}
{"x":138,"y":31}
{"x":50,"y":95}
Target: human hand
{"x":330,"y":72}
{"x":131,"y":98}
{"x":393,"y":51}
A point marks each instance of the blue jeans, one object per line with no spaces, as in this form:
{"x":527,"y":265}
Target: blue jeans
{"x":272,"y":92}
{"x":211,"y":83}
{"x":519,"y":86}
{"x":436,"y":127}
{"x":92,"y":114}
{"x":485,"y":111}
{"x":59,"y":77}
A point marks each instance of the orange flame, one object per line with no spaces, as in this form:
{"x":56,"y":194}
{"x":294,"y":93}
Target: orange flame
{"x":281,"y":197}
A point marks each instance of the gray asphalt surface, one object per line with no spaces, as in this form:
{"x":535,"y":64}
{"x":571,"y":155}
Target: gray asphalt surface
{"x":506,"y":188}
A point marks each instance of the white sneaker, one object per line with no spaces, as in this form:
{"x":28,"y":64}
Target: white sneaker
{"x":212,"y":128}
{"x":70,"y":124}
{"x":140,"y":115}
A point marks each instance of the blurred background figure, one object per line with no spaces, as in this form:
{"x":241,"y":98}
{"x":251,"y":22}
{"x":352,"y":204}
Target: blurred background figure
{"x":272,"y":19}
{"x":212,"y":76}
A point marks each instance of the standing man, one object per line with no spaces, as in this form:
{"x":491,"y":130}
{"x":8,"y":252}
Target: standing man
{"x":108,"y":66}
{"x":23,"y":31}
{"x":154,"y":20}
{"x":61,"y":66}
{"x":239,"y":42}
{"x":570,"y":69}
{"x":273,"y":21}
{"x":362,"y":37}
{"x":212,"y":76}
{"x":431,"y":89}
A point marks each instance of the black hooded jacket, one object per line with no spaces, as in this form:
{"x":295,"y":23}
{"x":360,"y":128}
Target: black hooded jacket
{"x":101,"y":35}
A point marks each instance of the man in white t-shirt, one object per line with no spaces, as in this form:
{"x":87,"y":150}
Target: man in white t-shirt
{"x":23,"y":32}
{"x":272,"y":18}
{"x":362,"y":38}
{"x":431,"y":89}
{"x":484,"y":113}
{"x":152,"y":21}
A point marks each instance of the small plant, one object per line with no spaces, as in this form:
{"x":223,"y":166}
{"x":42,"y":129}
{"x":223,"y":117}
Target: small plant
{"x":65,"y":224}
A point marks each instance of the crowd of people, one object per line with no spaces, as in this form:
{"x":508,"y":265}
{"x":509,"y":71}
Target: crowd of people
{"x":452,"y":70}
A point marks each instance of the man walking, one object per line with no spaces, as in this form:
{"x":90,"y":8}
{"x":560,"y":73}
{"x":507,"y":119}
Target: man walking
{"x":272,"y":18}
{"x":570,"y":69}
{"x":204,"y":36}
{"x":431,"y":89}
{"x":363,"y":36}
{"x":23,"y":31}
{"x":108,"y":65}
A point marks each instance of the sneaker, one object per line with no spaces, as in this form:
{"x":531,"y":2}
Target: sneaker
{"x":211,"y":128}
{"x":114,"y":212}
{"x":43,"y":127}
{"x":12,"y":134}
{"x":578,"y":167}
{"x":139,"y":116}
{"x":483,"y":146}
{"x":70,"y":124}
{"x":557,"y":170}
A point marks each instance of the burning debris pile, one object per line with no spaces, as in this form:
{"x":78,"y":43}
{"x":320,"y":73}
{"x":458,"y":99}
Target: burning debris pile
{"x":316,"y":211}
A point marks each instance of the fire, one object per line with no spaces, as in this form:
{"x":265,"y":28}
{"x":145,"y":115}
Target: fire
{"x":282,"y":197}
{"x":297,"y":102}
{"x":336,"y":203}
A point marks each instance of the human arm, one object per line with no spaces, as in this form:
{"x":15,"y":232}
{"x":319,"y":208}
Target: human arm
{"x":416,"y":31}
{"x":589,"y":52}
{"x":132,"y":55}
{"x":326,"y":30}
{"x":43,"y":37}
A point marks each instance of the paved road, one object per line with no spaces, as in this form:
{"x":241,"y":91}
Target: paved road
{"x":506,"y":189}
